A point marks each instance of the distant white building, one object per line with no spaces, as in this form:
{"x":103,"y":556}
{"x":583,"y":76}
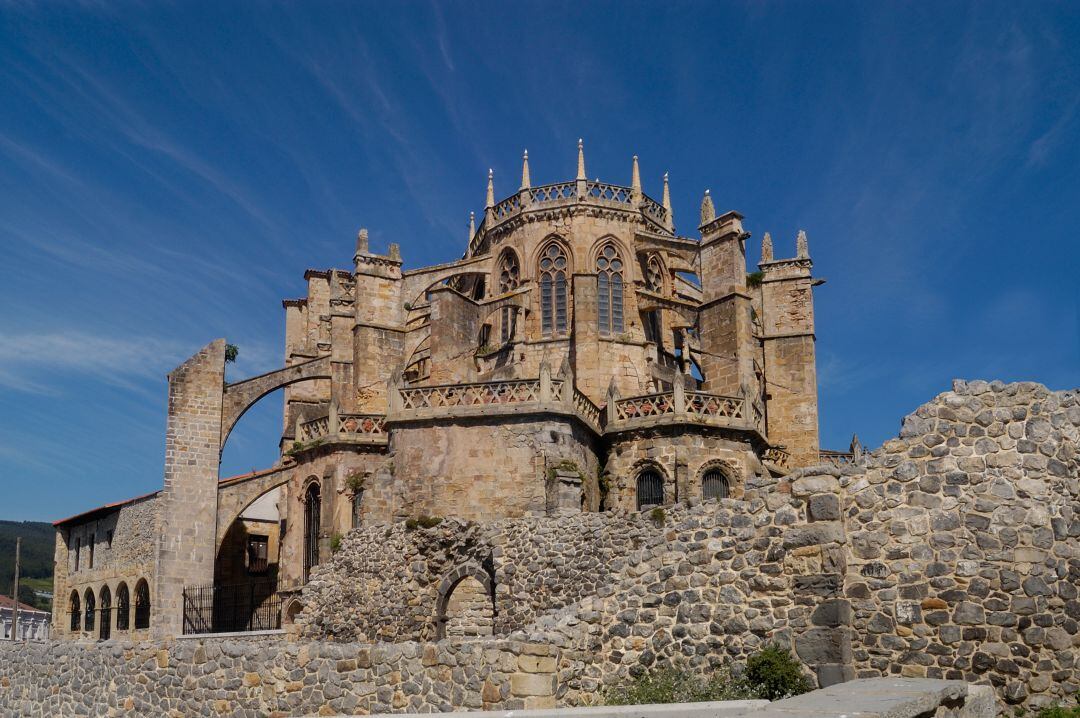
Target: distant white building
{"x":33,"y":622}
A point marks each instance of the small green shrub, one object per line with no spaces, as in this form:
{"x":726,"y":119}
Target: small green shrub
{"x":669,"y":685}
{"x":773,"y":673}
{"x":355,"y":482}
{"x":231,"y":352}
{"x":754,"y":279}
{"x":422,"y":522}
{"x":335,"y":542}
{"x":1060,"y":712}
{"x":296,"y":446}
{"x":657,"y":515}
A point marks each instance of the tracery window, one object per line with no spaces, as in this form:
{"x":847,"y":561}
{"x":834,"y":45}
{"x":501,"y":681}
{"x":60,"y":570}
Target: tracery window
{"x":715,"y":484}
{"x":553,"y":276}
{"x":609,"y":291}
{"x":654,"y":275}
{"x":123,"y":607}
{"x":509,"y":279}
{"x":650,"y":488}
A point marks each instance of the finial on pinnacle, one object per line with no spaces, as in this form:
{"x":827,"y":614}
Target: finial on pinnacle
{"x":708,"y":212}
{"x":635,"y":178}
{"x":525,"y":183}
{"x":490,"y":189}
{"x":472,"y":226}
{"x":666,"y":201}
{"x":581,"y":159}
{"x":362,"y":240}
{"x":802,"y":249}
{"x":766,"y":248}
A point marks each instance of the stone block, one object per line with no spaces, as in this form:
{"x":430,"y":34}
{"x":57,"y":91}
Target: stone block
{"x":532,"y":684}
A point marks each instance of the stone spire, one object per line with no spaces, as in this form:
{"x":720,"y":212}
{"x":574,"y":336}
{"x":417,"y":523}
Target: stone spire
{"x":667,"y":198}
{"x":708,"y":212}
{"x":580,"y":159}
{"x":362,"y":241}
{"x":525,"y":183}
{"x":635,"y":179}
{"x":472,"y":226}
{"x":490,"y":190}
{"x":802,"y":250}
{"x":766,"y":248}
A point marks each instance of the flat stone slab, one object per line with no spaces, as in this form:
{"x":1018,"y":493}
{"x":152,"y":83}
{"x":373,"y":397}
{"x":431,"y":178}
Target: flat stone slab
{"x":871,"y":698}
{"x":865,"y":698}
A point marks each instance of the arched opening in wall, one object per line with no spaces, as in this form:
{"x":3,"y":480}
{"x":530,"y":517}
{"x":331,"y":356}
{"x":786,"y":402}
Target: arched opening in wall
{"x":246,"y":571}
{"x":89,"y":611}
{"x":105,"y":603}
{"x":142,"y":604}
{"x":553,"y":273}
{"x":292,"y":610}
{"x":255,"y":441}
{"x":123,"y":607}
{"x":466,"y":606}
{"x":74,"y":608}
{"x":715,"y":482}
{"x":609,"y":291}
{"x":649,"y":486}
{"x":312,"y":527}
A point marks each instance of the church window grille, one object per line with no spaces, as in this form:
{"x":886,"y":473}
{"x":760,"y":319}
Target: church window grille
{"x":88,"y":611}
{"x":105,"y":630}
{"x":650,"y":488}
{"x":74,"y":607}
{"x":715,"y":485}
{"x":509,"y":279}
{"x":123,"y":607}
{"x":312,"y":518}
{"x":142,"y":605}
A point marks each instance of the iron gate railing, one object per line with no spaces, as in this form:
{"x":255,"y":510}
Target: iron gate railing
{"x":231,"y":609}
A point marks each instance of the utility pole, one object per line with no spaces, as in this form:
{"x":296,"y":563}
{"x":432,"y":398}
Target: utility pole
{"x":15,"y":601}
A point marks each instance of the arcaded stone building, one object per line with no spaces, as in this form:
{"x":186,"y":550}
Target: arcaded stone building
{"x":580,"y":356}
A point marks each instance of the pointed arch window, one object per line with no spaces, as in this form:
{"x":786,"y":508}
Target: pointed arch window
{"x":553,"y":276}
{"x":142,"y":604}
{"x":89,"y":608}
{"x":609,"y":291}
{"x":123,"y":607}
{"x":105,"y":630}
{"x":509,"y":279}
{"x":312,"y":523}
{"x":74,"y":606}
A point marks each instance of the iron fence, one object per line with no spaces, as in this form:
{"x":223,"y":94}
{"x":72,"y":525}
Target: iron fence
{"x":231,"y":609}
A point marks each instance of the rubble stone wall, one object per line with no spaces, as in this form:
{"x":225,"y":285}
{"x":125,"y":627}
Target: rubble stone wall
{"x":271,"y":677}
{"x":964,"y":543}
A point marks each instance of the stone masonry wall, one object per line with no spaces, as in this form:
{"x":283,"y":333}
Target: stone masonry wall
{"x":964,"y":543}
{"x":270,"y":677}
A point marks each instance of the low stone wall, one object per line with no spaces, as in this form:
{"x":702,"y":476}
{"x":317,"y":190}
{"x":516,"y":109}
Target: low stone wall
{"x":270,"y":677}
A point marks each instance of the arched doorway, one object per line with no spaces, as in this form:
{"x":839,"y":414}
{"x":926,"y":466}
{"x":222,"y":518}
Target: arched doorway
{"x":466,"y":606}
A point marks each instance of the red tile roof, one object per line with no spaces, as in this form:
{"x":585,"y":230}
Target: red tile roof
{"x":7,"y":601}
{"x":103,"y":510}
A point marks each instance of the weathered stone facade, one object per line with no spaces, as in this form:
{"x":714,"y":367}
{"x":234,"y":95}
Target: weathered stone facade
{"x":951,"y":552}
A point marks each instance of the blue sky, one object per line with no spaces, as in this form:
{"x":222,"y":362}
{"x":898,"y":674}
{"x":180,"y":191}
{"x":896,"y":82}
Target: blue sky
{"x":168,"y":172}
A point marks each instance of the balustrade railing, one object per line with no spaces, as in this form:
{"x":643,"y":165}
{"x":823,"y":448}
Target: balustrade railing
{"x":368,"y":425}
{"x":553,"y":192}
{"x":694,"y":403}
{"x":608,"y":192}
{"x":481,"y":394}
{"x":588,"y":410}
{"x":777,"y":456}
{"x":836,"y":458}
{"x":654,"y":210}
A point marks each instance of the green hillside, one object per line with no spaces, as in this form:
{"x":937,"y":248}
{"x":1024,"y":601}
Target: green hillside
{"x":38,"y":543}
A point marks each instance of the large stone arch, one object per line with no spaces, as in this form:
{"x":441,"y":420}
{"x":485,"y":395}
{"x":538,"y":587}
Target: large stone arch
{"x":240,"y":396}
{"x":470,"y":570}
{"x":238,"y":493}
